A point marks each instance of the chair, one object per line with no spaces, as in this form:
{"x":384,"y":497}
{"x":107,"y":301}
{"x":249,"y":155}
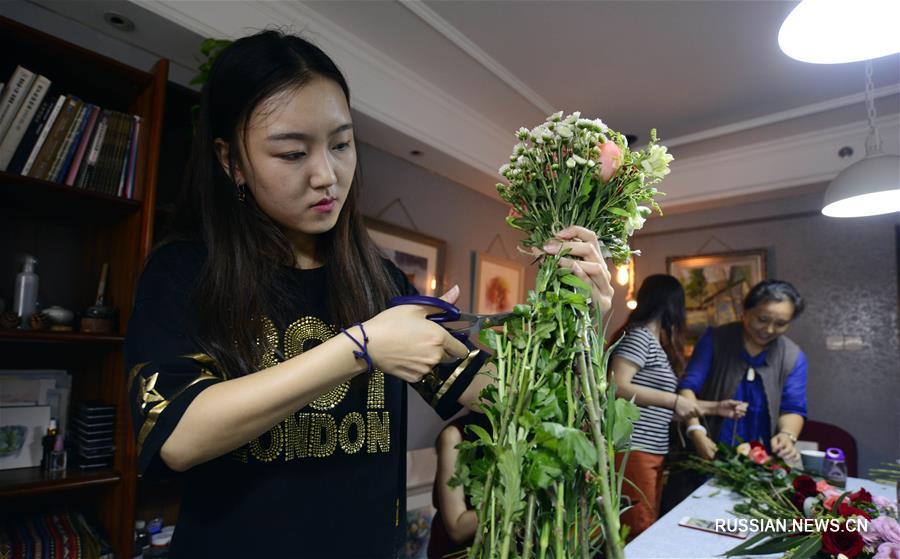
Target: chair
{"x":828,"y":435}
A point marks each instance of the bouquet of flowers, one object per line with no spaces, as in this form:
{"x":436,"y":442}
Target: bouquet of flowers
{"x":843,"y":524}
{"x":543,"y":480}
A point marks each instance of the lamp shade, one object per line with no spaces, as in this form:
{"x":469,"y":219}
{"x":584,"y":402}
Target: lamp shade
{"x":868,"y":187}
{"x":836,"y":31}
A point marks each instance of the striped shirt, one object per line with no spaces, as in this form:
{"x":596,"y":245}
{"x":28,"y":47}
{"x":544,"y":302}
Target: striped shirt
{"x":640,"y":346}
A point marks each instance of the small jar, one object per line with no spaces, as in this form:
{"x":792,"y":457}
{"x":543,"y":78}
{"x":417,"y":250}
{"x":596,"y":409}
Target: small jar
{"x":159,"y":545}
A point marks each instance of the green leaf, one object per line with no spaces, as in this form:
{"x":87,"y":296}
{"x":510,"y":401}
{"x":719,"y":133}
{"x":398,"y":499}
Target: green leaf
{"x":481,"y":434}
{"x":626,"y":413}
{"x":543,"y":470}
{"x":618,"y":211}
{"x":575,"y":282}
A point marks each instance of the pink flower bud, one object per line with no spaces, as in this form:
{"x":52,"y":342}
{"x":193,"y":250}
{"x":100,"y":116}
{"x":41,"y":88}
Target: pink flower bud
{"x":610,"y":160}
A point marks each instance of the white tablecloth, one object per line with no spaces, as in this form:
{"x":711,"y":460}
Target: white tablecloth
{"x":665,"y":539}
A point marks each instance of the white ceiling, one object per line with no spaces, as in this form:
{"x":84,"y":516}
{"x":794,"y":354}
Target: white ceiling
{"x":456,"y":78}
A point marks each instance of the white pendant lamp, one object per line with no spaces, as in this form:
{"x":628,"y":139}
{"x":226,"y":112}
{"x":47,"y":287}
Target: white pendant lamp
{"x":836,"y":31}
{"x":870,"y":186}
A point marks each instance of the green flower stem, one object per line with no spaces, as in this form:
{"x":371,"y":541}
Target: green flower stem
{"x":560,"y":519}
{"x":610,"y":515}
{"x":529,"y":523}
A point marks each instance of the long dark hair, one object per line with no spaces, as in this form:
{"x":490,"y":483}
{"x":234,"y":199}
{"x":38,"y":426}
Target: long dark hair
{"x":661,"y":297}
{"x":246,"y":249}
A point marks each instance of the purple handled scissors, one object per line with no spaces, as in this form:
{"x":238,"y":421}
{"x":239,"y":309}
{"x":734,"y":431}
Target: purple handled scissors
{"x":449,"y":313}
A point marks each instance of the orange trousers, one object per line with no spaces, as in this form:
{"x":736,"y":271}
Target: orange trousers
{"x":645,"y":470}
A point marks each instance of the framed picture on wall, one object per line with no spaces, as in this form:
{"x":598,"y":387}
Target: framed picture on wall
{"x":715,"y":286}
{"x":499,"y":284}
{"x":419,"y":256}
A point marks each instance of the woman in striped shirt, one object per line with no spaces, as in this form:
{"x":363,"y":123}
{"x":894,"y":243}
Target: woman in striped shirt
{"x":645,"y":365}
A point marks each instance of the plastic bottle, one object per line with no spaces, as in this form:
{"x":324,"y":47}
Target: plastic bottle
{"x":26,"y":292}
{"x":835,"y":469}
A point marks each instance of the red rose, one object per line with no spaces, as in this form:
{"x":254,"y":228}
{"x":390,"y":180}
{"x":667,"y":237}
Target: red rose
{"x":861,"y":496}
{"x":797,"y":500}
{"x":843,"y":541}
{"x":756,"y":444}
{"x":784,"y":467}
{"x":805,"y":485}
{"x":847,"y":510}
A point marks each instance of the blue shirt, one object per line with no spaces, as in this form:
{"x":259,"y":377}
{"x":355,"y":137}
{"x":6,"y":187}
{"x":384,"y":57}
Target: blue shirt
{"x":754,"y":426}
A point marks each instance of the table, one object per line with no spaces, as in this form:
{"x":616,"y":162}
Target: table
{"x":665,"y":539}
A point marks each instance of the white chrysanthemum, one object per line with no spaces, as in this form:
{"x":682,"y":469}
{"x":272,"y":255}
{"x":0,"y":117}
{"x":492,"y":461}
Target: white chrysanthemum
{"x":564,"y":131}
{"x":555,"y":117}
{"x":579,"y":160}
{"x":522,"y":133}
{"x":657,"y":162}
{"x":601,"y":127}
{"x":570,"y":163}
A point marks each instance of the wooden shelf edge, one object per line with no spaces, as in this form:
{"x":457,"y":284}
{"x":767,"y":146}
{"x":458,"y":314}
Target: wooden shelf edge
{"x":31,"y":336}
{"x":24,"y":482}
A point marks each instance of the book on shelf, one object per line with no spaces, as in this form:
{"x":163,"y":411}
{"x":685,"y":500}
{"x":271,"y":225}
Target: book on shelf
{"x":23,"y":119}
{"x":61,"y":138}
{"x":13,"y":96}
{"x":42,"y":137}
{"x":57,"y":135}
{"x":65,"y":534}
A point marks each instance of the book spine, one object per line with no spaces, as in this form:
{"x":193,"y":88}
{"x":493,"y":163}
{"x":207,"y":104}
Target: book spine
{"x":72,"y":146}
{"x":42,"y":139}
{"x":126,"y":155}
{"x":31,"y":135}
{"x":86,"y":137}
{"x":109,"y":164}
{"x":22,"y":121}
{"x":47,"y":155}
{"x":68,"y":138}
{"x":132,"y":163}
{"x":13,"y":94}
{"x":86,"y":175}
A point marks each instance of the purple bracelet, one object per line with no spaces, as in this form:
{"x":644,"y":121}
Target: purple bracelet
{"x":363,"y":352}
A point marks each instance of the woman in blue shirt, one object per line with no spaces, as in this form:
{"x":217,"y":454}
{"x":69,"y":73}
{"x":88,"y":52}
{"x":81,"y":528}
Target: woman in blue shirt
{"x":755,"y":362}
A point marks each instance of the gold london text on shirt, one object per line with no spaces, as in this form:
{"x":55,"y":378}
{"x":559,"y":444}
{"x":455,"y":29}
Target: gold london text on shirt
{"x":319,"y":434}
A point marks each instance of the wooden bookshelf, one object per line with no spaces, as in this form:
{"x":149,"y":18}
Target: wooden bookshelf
{"x":72,"y":232}
{"x":27,"y":482}
{"x":31,"y":337}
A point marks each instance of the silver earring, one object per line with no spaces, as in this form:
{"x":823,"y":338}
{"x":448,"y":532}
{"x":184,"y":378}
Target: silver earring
{"x":242,"y":192}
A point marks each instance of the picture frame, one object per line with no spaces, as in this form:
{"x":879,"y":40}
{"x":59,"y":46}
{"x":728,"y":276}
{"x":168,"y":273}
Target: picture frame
{"x":21,"y":431}
{"x":498,"y":284}
{"x":419,"y":256}
{"x":715,"y":286}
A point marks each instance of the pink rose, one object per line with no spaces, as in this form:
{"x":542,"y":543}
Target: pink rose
{"x":759,"y":455}
{"x":883,"y":503}
{"x":831,"y":498}
{"x":883,"y":529}
{"x":823,"y":487}
{"x":888,"y":551}
{"x":610,"y":160}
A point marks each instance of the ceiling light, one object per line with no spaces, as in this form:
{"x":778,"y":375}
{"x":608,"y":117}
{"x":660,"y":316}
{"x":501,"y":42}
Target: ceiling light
{"x":117,"y":20}
{"x":870,"y":186}
{"x":837,"y":31}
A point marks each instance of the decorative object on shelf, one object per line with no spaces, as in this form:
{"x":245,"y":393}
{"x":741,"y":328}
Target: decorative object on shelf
{"x":9,"y":320}
{"x":498,"y":284}
{"x":871,"y":186}
{"x":26,"y":291}
{"x":715,"y":286}
{"x":419,"y":256}
{"x":39,"y":322}
{"x":94,"y":429}
{"x":60,"y":319}
{"x":544,"y":480}
{"x":99,"y":318}
{"x":867,"y":31}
